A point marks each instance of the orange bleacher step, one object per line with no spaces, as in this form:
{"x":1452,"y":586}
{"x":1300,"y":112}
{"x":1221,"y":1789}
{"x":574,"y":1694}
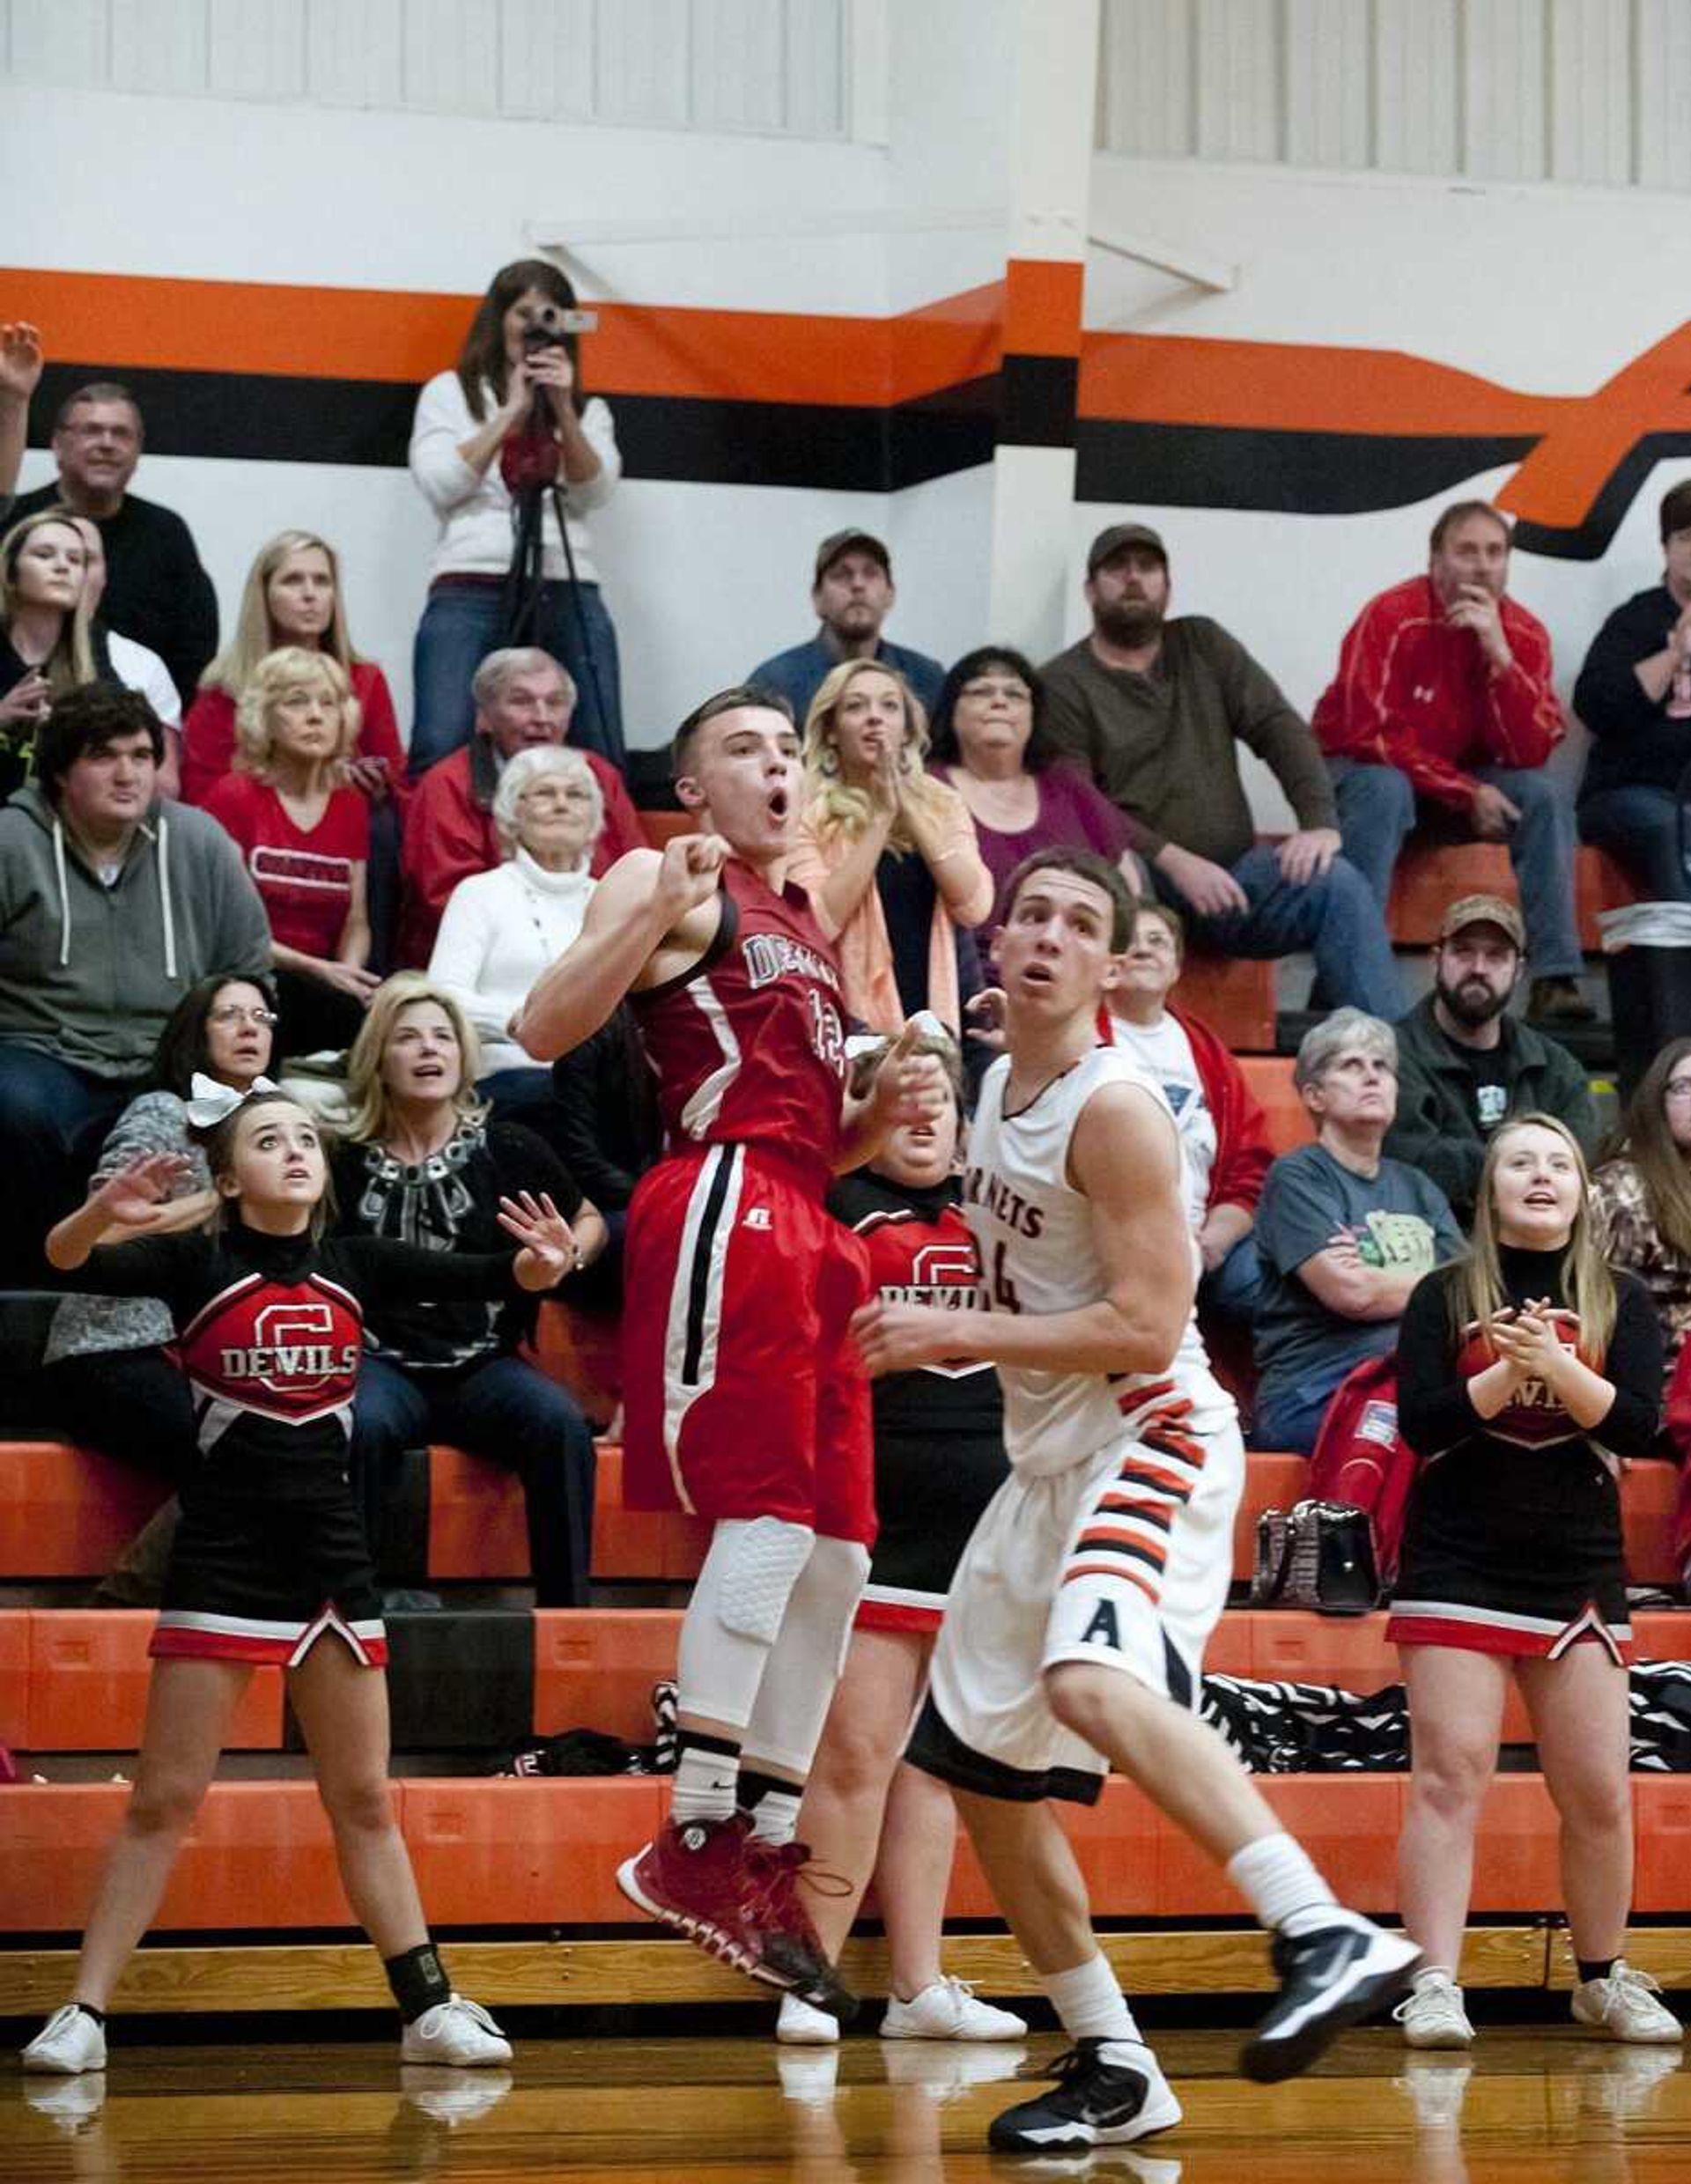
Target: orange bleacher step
{"x":1268,"y":1077}
{"x":1429,"y":879}
{"x":68,"y":1513}
{"x":490,"y":1853}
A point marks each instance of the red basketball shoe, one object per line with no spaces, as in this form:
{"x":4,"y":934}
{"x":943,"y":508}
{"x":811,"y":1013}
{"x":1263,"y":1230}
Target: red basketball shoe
{"x":781,"y":1868}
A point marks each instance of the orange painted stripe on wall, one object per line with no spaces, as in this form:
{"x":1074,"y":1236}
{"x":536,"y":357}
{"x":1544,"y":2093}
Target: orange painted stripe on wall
{"x":146,"y":322}
{"x":1042,"y":311}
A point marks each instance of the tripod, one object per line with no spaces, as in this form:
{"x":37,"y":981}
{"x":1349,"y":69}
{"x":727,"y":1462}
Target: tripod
{"x":520,"y":602}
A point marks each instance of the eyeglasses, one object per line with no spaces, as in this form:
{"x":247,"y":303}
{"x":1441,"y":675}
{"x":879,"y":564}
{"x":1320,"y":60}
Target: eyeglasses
{"x":1680,"y":1089}
{"x":231,"y":1013}
{"x":1013,"y":693}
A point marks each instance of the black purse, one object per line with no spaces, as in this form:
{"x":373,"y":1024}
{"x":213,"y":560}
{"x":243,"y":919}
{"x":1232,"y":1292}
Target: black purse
{"x":1317,"y":1555}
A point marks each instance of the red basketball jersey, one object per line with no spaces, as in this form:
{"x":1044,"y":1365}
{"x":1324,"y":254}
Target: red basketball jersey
{"x":749,"y":1047}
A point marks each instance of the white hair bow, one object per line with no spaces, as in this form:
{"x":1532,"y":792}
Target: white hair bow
{"x":210,"y":1101}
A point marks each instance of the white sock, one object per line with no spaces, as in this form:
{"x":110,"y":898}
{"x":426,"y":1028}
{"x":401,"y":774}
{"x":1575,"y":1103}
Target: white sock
{"x":1276,"y":1878}
{"x":706,"y":1777}
{"x":1435,"y":1972}
{"x":1090,"y":2005}
{"x":775,"y":1816}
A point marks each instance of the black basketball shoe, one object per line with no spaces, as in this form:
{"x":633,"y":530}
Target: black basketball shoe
{"x":1094,"y":2104}
{"x":1331,"y":1977}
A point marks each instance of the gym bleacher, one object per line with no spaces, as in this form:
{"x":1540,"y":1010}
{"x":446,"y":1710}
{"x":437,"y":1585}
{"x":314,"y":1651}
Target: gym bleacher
{"x":517,"y":1872}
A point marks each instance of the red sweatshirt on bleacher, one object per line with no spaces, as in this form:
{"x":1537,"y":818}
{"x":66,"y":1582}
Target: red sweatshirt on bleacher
{"x":1415,"y":692}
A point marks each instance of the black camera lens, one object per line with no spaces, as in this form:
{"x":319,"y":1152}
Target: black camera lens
{"x":545,"y":329}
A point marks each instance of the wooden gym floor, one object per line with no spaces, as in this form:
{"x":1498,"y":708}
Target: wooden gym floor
{"x":1545,"y":2105}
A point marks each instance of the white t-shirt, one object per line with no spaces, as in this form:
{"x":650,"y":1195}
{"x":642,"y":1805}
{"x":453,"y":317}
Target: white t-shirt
{"x":1165,"y":1053}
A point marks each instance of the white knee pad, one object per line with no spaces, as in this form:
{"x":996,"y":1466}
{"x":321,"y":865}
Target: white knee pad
{"x":752,"y":1568}
{"x":798,"y":1687}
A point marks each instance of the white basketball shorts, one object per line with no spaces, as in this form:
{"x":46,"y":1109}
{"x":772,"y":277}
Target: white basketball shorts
{"x":1124,"y":1560}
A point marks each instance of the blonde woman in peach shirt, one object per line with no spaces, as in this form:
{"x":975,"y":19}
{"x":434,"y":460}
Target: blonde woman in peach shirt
{"x":887,"y":852}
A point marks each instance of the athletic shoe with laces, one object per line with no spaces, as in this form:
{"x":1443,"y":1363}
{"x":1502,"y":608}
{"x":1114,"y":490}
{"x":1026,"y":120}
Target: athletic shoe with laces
{"x":1625,"y":2007}
{"x":1432,"y":2016}
{"x":70,"y":2040}
{"x":1331,"y":1976}
{"x":775,"y":1872}
{"x":801,"y":2024}
{"x":1095,"y":2103}
{"x":949,"y":2010}
{"x":710,"y":1881}
{"x":455,"y":2032}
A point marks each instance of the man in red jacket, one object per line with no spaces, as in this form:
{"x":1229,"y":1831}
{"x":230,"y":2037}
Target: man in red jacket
{"x":522,"y":696}
{"x":1443,"y":714}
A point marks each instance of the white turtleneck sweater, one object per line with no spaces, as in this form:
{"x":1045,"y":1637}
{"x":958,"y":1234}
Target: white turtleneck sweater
{"x":500,"y":930}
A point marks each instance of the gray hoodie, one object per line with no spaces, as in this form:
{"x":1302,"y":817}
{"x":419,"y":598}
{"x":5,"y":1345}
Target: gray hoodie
{"x":88,"y":973}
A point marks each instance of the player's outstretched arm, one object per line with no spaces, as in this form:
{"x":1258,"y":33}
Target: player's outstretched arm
{"x":645,"y":904}
{"x":1123,"y":1156}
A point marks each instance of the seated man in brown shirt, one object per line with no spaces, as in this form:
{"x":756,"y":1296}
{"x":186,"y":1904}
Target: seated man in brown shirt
{"x":1154,"y":709}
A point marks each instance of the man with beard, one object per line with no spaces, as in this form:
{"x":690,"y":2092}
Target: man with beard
{"x":1465,"y":1064}
{"x":1152,"y":709}
{"x":1441,"y":716}
{"x":852,"y":594}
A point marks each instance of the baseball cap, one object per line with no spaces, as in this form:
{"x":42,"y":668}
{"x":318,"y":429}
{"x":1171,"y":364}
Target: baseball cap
{"x":1483,"y":910}
{"x":838,"y":542}
{"x":1118,"y":535}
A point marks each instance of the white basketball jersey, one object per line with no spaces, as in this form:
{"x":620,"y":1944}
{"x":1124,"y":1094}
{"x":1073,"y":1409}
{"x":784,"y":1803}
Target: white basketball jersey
{"x":1034,"y":1232}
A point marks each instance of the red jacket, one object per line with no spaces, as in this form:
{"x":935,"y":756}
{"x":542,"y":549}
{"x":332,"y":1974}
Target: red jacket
{"x":449,"y":834}
{"x":1243,"y":1153}
{"x":1415,"y":693}
{"x":208,"y":734}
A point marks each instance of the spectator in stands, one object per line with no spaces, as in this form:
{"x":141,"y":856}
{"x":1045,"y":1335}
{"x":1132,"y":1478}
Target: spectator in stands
{"x":609,"y":1131}
{"x":1634,"y":694}
{"x":990,"y":741}
{"x":1343,"y":1234}
{"x":1223,"y":1129}
{"x":294,"y":596}
{"x":46,"y":647}
{"x":1641,"y":1195}
{"x":121,"y":660}
{"x":1152,"y":709}
{"x":506,"y":401}
{"x":852,"y":594}
{"x":886,"y":850}
{"x":422,"y":1161}
{"x":1531,"y":1373}
{"x":503,"y":929}
{"x":156,"y":590}
{"x":21,"y":374}
{"x":1464,"y":1063}
{"x":108,"y":1382}
{"x":1441,"y":715}
{"x":522,"y":699}
{"x":939,"y":1459}
{"x":305,"y":839}
{"x":111,"y":907}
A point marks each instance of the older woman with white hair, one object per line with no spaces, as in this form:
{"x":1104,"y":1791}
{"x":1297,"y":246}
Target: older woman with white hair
{"x":502,"y":928}
{"x":306,"y":840}
{"x":1343,"y":1235}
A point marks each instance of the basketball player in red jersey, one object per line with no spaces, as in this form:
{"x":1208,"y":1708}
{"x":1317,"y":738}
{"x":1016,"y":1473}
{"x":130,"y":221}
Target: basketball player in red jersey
{"x":744,"y":1401}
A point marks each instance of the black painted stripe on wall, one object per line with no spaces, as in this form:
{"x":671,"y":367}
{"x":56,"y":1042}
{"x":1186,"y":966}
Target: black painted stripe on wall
{"x":1295,"y":473}
{"x":1039,"y":400}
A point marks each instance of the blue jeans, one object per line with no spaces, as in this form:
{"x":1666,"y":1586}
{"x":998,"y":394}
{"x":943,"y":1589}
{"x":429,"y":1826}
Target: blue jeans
{"x":503,"y":1409}
{"x":1641,"y":827}
{"x":462,"y":622}
{"x":1290,"y":1419}
{"x":1233,"y":1287}
{"x":53,"y":1121}
{"x":1377,"y":809}
{"x":1334,"y":917}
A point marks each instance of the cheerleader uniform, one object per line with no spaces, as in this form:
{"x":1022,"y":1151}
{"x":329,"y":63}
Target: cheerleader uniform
{"x":1513,"y":1541}
{"x":939,"y":1431}
{"x":271,"y":1551}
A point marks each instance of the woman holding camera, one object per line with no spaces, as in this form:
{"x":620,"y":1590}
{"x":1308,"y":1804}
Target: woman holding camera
{"x":511,"y":410}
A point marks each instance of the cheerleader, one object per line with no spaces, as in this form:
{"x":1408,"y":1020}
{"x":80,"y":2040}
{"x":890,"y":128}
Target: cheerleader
{"x":1527,"y":1374}
{"x":270,"y":1563}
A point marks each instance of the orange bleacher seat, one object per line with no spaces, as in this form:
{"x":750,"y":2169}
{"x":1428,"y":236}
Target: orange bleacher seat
{"x":88,"y":1675}
{"x":595,"y":1668}
{"x":1661,"y":1824}
{"x":662,"y":826}
{"x":67,"y":1513}
{"x":1235,"y":997}
{"x":1269,"y":1079}
{"x":1429,"y":879}
{"x":580,"y":1350}
{"x":14,"y":1678}
{"x":534,"y":1852}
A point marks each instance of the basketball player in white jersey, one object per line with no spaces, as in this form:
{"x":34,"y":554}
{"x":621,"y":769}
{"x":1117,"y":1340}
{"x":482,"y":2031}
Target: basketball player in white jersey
{"x":1073,"y":1634}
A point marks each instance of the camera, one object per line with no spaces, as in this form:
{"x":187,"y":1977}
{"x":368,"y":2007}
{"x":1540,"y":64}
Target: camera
{"x":547,"y":328}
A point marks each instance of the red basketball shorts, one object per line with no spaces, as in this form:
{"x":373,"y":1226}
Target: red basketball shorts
{"x":742,"y":1396}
